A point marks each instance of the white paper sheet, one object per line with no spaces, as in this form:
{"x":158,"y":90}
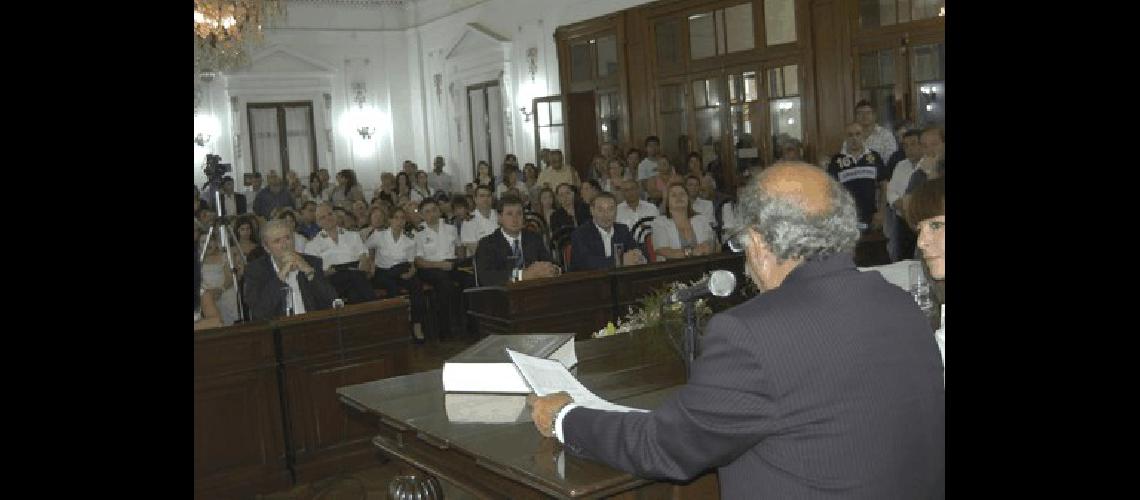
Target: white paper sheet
{"x":547,"y":376}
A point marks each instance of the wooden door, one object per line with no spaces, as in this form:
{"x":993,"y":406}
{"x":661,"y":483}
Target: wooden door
{"x":582,"y":140}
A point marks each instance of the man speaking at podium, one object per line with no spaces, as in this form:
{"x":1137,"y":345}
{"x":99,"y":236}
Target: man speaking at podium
{"x":827,"y":385}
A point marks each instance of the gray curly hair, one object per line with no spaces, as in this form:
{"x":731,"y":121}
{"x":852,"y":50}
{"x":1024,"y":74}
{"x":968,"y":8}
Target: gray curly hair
{"x":790,"y":231}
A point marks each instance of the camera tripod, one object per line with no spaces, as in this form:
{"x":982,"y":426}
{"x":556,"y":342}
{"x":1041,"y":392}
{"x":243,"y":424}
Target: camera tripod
{"x":226,"y":233}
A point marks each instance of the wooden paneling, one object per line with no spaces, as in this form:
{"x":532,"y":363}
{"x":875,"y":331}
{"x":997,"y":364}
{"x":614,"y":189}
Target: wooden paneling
{"x":238,"y":445}
{"x":833,"y":88}
{"x":330,"y":349}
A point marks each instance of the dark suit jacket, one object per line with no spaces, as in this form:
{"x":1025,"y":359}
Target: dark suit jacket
{"x":561,"y":218}
{"x":264,"y":294}
{"x":493,"y":262}
{"x":586,"y":247}
{"x":829,"y":386}
{"x":239,"y":200}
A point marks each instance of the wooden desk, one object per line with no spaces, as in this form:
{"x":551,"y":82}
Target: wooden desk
{"x":583,"y":302}
{"x":324,"y":350}
{"x":511,"y":460}
{"x":239,"y":447}
{"x":266,"y":412}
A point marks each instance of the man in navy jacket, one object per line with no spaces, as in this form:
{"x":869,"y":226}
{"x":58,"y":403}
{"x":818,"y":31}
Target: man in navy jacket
{"x":828,"y":385}
{"x":592,"y":243}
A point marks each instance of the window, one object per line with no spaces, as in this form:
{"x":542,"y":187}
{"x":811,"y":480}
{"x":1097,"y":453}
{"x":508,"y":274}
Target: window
{"x":707,"y":104}
{"x":928,"y":70}
{"x":609,"y":116}
{"x":668,"y":37}
{"x":581,"y":61}
{"x":878,"y":13}
{"x":548,"y":124}
{"x":721,"y":31}
{"x":742,"y":96}
{"x":784,"y":107}
{"x":673,"y":124}
{"x":877,"y":84}
{"x":294,"y":150}
{"x":607,"y":55}
{"x":779,"y":21}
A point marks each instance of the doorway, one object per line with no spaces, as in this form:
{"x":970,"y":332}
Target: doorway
{"x":485,"y":128}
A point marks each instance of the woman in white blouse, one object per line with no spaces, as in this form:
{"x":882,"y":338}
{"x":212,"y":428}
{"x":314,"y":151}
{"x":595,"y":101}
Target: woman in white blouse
{"x":393,"y":253}
{"x":680,"y":232}
{"x":420,"y":189}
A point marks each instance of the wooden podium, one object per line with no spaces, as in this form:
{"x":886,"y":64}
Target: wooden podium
{"x":583,"y":302}
{"x":511,"y":459}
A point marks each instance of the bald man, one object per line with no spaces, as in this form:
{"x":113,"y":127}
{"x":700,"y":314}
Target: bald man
{"x":827,"y":385}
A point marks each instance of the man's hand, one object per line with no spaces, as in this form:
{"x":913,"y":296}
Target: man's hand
{"x":544,"y":409}
{"x":287,"y":265}
{"x":632,"y":258}
{"x":411,"y":272}
{"x":541,"y":270}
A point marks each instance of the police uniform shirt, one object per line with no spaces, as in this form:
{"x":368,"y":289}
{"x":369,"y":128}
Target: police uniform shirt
{"x":479,"y":226}
{"x":860,"y":175}
{"x":391,"y":252}
{"x":347,"y":249}
{"x":436,"y":244}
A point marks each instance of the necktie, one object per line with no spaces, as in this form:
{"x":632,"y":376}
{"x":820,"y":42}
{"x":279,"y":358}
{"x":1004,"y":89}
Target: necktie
{"x":519,"y":261}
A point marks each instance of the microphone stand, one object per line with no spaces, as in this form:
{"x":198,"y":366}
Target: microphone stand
{"x":690,"y":339}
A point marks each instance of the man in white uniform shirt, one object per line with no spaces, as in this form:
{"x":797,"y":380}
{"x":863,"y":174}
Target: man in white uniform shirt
{"x":435,"y":265}
{"x":648,"y":166}
{"x":876,"y":137}
{"x":483,"y":221}
{"x":344,"y":256}
{"x":438,"y":179}
{"x":634,"y":208}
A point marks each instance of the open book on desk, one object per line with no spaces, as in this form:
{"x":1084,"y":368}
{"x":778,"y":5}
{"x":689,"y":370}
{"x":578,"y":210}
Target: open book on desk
{"x":545,"y":376}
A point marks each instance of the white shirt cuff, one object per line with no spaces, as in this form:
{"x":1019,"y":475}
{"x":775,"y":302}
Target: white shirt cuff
{"x":558,"y":421}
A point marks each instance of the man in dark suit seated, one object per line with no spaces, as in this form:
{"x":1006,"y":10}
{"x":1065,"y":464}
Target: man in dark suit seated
{"x":593,"y":243}
{"x":502,"y":251}
{"x":284,"y":278}
{"x":232,"y":203}
{"x":828,"y":384}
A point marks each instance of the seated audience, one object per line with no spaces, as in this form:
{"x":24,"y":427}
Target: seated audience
{"x":511,"y":180}
{"x":288,"y":215}
{"x":483,"y":175}
{"x":359,"y":211}
{"x":589,"y":189}
{"x":926,"y":211}
{"x":394,"y":252}
{"x":232,"y":203}
{"x":272,"y":197}
{"x":696,"y":167}
{"x":346,"y":185}
{"x":512,"y":247}
{"x":377,"y":220}
{"x":700,"y":205}
{"x":680,"y":232}
{"x":647,"y":167}
{"x":633,"y":209}
{"x":420,"y":188}
{"x":216,"y":276}
{"x":438,"y":179}
{"x":246,"y":229}
{"x":545,"y":205}
{"x":284,"y":279}
{"x":307,"y":225}
{"x":656,"y":186}
{"x":317,"y":191}
{"x":615,"y":174}
{"x":530,"y":179}
{"x":344,"y":257}
{"x":902,"y":239}
{"x":557,"y":173}
{"x":860,"y":170}
{"x":483,"y":221}
{"x":205,"y":218}
{"x":571,"y":212}
{"x":593,"y":244}
{"x":436,"y":242}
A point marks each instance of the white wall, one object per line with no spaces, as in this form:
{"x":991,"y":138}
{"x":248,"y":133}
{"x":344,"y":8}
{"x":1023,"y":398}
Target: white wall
{"x":324,"y":50}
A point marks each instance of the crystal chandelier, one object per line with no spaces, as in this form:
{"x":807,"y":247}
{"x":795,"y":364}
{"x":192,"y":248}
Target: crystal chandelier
{"x":222,"y":29}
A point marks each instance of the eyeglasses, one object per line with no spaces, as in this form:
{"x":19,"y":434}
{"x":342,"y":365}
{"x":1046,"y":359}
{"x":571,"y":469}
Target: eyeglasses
{"x":736,"y":240}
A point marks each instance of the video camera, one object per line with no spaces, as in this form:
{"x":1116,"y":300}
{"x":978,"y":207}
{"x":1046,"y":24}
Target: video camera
{"x":215,"y":170}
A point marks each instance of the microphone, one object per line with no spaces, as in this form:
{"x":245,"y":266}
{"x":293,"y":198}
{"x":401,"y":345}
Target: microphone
{"x":721,"y":284}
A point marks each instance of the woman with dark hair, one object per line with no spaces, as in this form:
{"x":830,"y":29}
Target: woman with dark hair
{"x":421,"y":190}
{"x":248,"y":235}
{"x":346,"y":185}
{"x":571,"y":212}
{"x":403,"y":185}
{"x":317,"y":191}
{"x":679,"y":231}
{"x":393,"y":252}
{"x":483,"y":175}
{"x":926,"y":212}
{"x":530,"y":180}
{"x":697,"y":167}
{"x":544,"y":207}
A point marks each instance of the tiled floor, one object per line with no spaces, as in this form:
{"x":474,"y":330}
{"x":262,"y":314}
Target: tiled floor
{"x":372,"y":483}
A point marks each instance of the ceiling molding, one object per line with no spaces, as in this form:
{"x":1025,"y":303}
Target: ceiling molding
{"x":364,"y":4}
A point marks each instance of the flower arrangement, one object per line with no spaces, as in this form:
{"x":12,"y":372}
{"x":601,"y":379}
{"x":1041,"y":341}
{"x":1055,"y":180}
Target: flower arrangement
{"x":661,"y":327}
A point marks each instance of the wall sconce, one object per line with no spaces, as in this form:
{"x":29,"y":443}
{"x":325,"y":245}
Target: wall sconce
{"x":360,"y":99}
{"x":532,"y":58}
{"x":526,"y":113}
{"x":201,"y":139}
